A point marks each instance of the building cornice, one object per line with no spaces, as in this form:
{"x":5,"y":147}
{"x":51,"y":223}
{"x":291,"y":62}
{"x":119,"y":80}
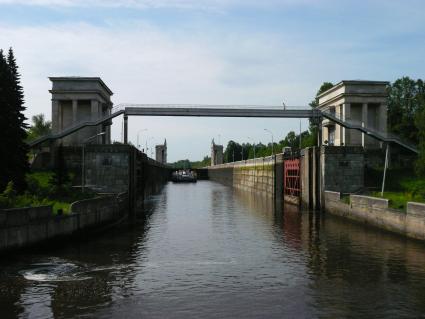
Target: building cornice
{"x":352,"y":82}
{"x":78,"y":78}
{"x":345,"y":95}
{"x":99,"y":92}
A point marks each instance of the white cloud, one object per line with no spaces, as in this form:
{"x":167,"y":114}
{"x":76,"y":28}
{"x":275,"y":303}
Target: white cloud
{"x":144,"y":64}
{"x":143,"y":4}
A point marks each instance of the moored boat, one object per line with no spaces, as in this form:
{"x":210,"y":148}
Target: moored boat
{"x":184,"y":176}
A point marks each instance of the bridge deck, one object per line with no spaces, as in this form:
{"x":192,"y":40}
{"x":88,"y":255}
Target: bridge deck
{"x":224,"y":111}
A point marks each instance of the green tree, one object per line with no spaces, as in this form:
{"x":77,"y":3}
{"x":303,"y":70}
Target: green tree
{"x":313,"y":128}
{"x":14,"y":166}
{"x":323,"y":88}
{"x":39,"y":127}
{"x":406,"y":99}
{"x":233,"y":152}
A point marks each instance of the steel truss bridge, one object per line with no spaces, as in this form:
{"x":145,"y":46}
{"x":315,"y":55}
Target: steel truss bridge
{"x":247,"y":111}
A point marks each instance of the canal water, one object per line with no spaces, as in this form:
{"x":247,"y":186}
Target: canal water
{"x":206,"y":251}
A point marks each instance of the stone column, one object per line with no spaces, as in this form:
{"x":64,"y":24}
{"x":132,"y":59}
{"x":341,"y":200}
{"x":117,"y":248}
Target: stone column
{"x":94,"y":117}
{"x":74,"y":112}
{"x":364,"y":123}
{"x":125,"y":129}
{"x":346,"y":117}
{"x":76,"y":135}
{"x":383,"y":113}
{"x":340,"y":128}
{"x":94,"y":110}
{"x":56,"y":125}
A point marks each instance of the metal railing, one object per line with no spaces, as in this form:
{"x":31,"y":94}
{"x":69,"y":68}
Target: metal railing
{"x":355,"y":124}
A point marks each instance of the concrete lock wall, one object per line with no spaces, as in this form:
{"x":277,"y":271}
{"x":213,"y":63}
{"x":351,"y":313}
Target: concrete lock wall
{"x":123,"y":168}
{"x":256,"y":175}
{"x":375,"y":211}
{"x":342,"y":168}
{"x":23,"y":227}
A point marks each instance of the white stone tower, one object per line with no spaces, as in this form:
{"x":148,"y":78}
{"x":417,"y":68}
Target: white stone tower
{"x":360,"y":102}
{"x":80,"y":99}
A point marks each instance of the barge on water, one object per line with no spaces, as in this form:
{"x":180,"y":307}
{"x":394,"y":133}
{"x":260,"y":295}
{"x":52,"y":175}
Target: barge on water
{"x":184,"y":176}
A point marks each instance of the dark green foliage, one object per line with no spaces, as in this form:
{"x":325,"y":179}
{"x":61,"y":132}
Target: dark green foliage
{"x":60,"y":178}
{"x":406,"y":114}
{"x":40,"y":127}
{"x":233,"y":152}
{"x":406,"y":101}
{"x":315,"y":103}
{"x":420,"y":124}
{"x":323,"y":88}
{"x":186,"y":164}
{"x":292,"y":140}
{"x":14,"y":159}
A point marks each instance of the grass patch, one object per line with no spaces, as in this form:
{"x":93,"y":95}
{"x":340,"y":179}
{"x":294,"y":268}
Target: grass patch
{"x":345,"y":198}
{"x":40,"y":192}
{"x":398,"y":200}
{"x":401,"y":186}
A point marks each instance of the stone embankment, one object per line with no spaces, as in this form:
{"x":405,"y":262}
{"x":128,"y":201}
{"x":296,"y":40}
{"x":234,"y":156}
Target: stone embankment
{"x":375,"y":211}
{"x":23,"y":227}
{"x":262,"y":175}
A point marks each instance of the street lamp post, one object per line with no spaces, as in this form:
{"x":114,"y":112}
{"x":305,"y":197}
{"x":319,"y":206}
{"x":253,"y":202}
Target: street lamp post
{"x":253,"y":144}
{"x":148,"y":139}
{"x":138,"y":132}
{"x":272,"y":139}
{"x":83,"y":177}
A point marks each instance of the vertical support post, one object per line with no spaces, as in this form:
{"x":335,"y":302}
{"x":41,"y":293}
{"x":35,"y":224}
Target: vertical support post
{"x":125,"y":129}
{"x":55,"y":116}
{"x":319,"y":133}
{"x":83,"y":177}
{"x":74,"y":111}
{"x":346,"y":117}
{"x":364,"y":123}
{"x":74,"y":120}
{"x":300,"y":134}
{"x":385,"y":169}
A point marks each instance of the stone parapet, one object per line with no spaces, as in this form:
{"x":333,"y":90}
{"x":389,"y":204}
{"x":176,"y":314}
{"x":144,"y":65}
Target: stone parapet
{"x":28,"y":226}
{"x":375,"y":211}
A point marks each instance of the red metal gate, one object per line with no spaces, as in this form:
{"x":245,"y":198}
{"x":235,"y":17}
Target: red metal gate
{"x":292,"y":185}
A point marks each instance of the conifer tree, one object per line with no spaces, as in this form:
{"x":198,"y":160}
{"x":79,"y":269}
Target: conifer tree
{"x":14,"y":162}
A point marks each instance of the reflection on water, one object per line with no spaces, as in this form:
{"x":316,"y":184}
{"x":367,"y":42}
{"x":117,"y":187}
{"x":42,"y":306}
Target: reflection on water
{"x":205,"y":250}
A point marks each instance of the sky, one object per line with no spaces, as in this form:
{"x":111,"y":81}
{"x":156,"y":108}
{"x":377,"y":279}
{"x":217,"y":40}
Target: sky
{"x":210,"y":52}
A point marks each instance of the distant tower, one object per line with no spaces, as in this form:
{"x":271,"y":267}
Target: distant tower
{"x":216,"y":154}
{"x":161,"y":152}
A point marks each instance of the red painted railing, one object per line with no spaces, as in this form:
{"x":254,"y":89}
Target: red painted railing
{"x":292,"y":185}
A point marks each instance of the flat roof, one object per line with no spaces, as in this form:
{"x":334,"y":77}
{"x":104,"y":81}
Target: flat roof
{"x":81,"y":78}
{"x":353,"y":82}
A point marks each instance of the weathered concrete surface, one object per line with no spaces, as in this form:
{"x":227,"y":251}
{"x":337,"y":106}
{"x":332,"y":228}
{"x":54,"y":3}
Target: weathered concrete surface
{"x":28,"y":226}
{"x":375,"y":211}
{"x":341,"y":169}
{"x":256,"y":175}
{"x":80,"y":99}
{"x":123,"y":168}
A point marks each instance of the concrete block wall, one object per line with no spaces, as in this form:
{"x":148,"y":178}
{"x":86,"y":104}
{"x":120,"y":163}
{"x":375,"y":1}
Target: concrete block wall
{"x":28,"y":226}
{"x":256,"y":175}
{"x":342,"y":168}
{"x":123,"y":168}
{"x":375,"y":211}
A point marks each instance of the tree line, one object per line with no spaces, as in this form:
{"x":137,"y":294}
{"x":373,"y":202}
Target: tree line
{"x":406,"y":118}
{"x":14,"y":151}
